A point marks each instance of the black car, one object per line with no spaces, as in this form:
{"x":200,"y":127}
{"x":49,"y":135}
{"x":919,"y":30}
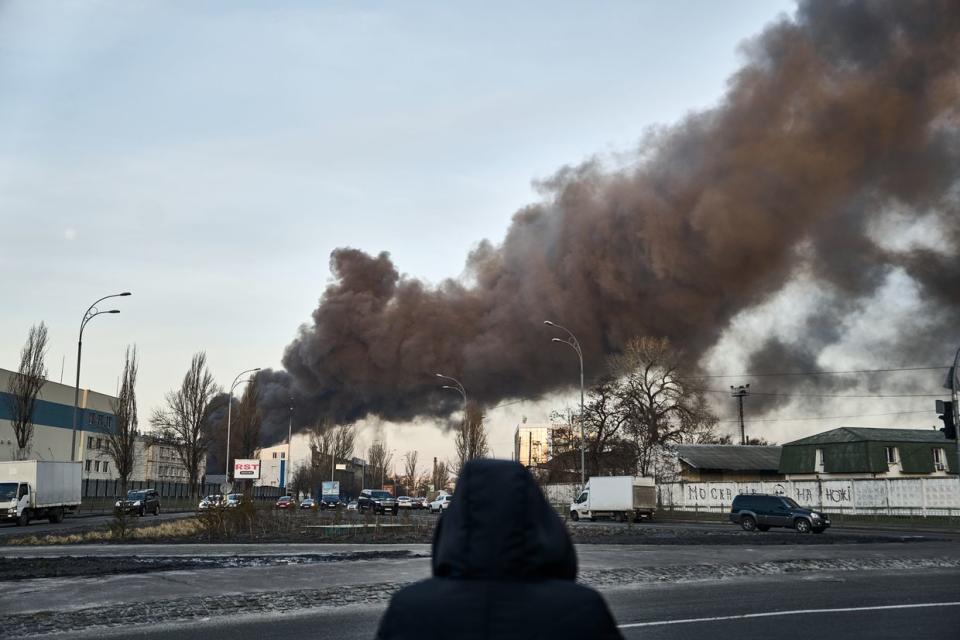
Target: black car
{"x":760,"y":512}
{"x":376,"y":501}
{"x":140,"y":502}
{"x":330,"y":502}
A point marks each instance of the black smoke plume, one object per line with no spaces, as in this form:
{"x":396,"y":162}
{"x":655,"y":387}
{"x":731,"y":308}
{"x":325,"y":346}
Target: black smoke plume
{"x":840,"y":115}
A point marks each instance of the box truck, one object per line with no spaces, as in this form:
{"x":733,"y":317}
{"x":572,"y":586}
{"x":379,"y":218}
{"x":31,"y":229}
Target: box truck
{"x":618,"y":497}
{"x":32,"y":489}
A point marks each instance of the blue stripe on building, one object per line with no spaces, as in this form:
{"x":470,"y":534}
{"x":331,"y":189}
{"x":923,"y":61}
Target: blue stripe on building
{"x":283,"y":476}
{"x":54,"y":414}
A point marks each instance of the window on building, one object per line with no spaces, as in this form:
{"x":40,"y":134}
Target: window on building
{"x":818,"y":461}
{"x":274,"y":455}
{"x":89,"y":442}
{"x":938,"y":459}
{"x":106,"y":467}
{"x":88,"y":465}
{"x":96,"y":466}
{"x":98,"y":443}
{"x":282,"y":455}
{"x":891,"y":455}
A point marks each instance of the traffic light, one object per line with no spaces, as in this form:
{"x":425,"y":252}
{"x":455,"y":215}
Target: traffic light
{"x":945,"y":409}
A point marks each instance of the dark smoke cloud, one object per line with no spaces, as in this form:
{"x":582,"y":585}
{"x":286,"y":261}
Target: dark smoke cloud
{"x":841,"y":113}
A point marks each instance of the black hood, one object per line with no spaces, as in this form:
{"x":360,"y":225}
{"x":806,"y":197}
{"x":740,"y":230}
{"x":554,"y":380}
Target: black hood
{"x":500,"y":527}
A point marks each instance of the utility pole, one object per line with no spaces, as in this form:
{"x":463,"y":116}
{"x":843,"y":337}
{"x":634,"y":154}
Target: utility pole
{"x":954,"y":385}
{"x":740,"y":393}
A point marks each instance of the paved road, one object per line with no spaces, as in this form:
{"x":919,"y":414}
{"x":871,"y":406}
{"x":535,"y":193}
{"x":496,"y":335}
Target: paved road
{"x":849,"y":606}
{"x":70,"y":523}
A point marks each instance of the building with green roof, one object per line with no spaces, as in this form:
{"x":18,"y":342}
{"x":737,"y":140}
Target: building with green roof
{"x":860,"y":452}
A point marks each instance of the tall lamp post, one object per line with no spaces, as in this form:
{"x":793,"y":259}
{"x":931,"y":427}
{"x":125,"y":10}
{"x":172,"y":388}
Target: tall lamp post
{"x":572,"y":342}
{"x":236,"y":381}
{"x":459,"y":388}
{"x":91,"y":313}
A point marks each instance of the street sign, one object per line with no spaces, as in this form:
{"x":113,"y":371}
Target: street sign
{"x":226,"y":488}
{"x":246,"y":469}
{"x":341,"y":467}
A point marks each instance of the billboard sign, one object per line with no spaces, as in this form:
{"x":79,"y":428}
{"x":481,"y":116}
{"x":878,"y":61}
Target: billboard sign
{"x":246,"y":469}
{"x":331,"y":488}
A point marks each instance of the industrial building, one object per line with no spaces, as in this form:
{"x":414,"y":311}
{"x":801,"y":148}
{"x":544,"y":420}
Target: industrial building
{"x":858,"y":452}
{"x":155,"y":460}
{"x":532,"y":444}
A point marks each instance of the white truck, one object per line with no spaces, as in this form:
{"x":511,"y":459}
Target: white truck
{"x":32,"y":489}
{"x":618,"y":497}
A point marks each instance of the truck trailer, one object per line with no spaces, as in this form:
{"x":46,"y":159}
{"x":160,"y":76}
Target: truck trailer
{"x":37,"y":489}
{"x":618,"y":497}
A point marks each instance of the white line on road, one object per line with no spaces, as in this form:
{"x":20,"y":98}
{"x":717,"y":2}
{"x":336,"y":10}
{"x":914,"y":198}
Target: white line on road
{"x":796,"y":612}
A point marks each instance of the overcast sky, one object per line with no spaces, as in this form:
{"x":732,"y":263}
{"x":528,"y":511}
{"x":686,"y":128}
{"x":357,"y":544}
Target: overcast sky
{"x":208,"y":156}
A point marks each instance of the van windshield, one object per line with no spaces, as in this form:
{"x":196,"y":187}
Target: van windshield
{"x":8,"y":490}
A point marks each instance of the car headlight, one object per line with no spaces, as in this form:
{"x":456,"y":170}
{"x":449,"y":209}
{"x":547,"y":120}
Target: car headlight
{"x":815,"y":516}
{"x":137,"y":503}
{"x":117,"y":504}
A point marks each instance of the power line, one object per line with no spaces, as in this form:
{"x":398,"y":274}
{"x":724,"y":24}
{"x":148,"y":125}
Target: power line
{"x":834,"y":395}
{"x":862,"y":415}
{"x":811,"y":373}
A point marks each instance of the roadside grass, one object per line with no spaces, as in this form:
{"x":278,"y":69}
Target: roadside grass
{"x":254,"y":525}
{"x":164,"y":530}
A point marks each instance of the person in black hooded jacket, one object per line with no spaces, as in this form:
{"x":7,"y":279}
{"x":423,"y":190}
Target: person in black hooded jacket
{"x":503,"y":567}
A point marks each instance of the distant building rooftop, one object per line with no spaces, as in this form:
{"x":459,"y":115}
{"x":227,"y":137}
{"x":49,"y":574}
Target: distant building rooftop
{"x":728,"y":457}
{"x":872,"y":434}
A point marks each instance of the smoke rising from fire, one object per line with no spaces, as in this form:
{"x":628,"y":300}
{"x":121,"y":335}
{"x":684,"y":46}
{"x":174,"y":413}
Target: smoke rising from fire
{"x":843,"y":115}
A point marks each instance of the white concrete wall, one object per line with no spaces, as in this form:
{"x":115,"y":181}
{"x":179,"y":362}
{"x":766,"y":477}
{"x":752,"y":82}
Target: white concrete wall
{"x":890,"y":496}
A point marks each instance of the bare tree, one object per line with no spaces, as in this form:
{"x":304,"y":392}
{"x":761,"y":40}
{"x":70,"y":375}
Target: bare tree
{"x":329,"y":444}
{"x":660,"y":405}
{"x":302,"y":481}
{"x":378,"y":461}
{"x":248,"y":422}
{"x":603,"y":419}
{"x":183,"y":423}
{"x":441,"y":475}
{"x":422,"y":485}
{"x":410,"y":471}
{"x":471,"y":438}
{"x":24,"y":387}
{"x":121,"y":442}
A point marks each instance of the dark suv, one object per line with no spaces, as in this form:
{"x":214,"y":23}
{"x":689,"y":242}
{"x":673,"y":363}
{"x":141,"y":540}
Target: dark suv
{"x":376,"y":501}
{"x":760,"y":512}
{"x":140,"y":502}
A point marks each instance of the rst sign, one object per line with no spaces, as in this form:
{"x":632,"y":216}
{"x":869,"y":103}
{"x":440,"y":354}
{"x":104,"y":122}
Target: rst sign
{"x":246,"y":469}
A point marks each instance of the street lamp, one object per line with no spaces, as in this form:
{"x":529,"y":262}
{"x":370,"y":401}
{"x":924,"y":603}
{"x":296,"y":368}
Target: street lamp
{"x":91,"y":313}
{"x":572,"y":342}
{"x":459,"y":388}
{"x":236,"y":381}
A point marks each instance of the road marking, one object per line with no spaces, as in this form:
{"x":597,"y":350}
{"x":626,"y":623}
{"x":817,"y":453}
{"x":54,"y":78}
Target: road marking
{"x":796,"y":612}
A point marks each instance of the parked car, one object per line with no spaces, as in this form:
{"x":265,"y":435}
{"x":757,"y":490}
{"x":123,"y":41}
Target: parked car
{"x":352,"y":505}
{"x":329,"y":502}
{"x":377,"y":501}
{"x":211,"y":501}
{"x":140,"y":502}
{"x":422,"y":503}
{"x":405,"y":502}
{"x":286,"y":502}
{"x":234,"y":500}
{"x":760,"y":512}
{"x":442,"y":503}
{"x":308,"y":503}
